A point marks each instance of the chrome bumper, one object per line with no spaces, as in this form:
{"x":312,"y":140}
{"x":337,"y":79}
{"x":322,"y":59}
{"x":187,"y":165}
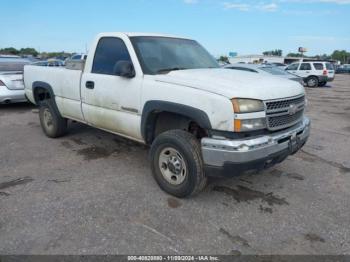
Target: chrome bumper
{"x":217,"y":152}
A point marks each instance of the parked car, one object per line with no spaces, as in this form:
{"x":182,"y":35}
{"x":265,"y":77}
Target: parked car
{"x":316,"y":73}
{"x":168,"y":92}
{"x":266,"y":70}
{"x":51,"y":63}
{"x":76,"y":61}
{"x":78,"y":57}
{"x":279,"y":65}
{"x":343,"y":69}
{"x":11,"y":80}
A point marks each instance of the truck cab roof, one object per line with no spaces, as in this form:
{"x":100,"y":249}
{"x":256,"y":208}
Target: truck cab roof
{"x":135,"y":34}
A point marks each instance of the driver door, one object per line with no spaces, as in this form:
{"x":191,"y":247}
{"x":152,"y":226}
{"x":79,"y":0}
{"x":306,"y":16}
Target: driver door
{"x":109,"y":101}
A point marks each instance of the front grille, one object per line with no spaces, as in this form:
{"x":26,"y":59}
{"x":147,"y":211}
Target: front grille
{"x":284,"y":120}
{"x":284,"y":113}
{"x":280,"y":104}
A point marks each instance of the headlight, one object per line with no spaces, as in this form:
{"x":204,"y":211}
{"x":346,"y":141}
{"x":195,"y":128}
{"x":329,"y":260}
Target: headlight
{"x":243,"y":105}
{"x":243,"y":125}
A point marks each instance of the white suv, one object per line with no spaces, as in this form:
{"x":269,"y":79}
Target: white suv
{"x":316,"y":73}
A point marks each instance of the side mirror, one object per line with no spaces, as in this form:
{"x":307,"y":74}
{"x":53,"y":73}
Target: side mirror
{"x":124,"y":69}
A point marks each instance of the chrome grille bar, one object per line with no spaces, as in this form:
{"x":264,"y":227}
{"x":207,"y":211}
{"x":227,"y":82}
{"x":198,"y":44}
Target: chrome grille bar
{"x":283,"y":113}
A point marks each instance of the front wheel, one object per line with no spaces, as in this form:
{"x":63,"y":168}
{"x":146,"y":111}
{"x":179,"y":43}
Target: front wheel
{"x":177,"y":164}
{"x":52,"y":123}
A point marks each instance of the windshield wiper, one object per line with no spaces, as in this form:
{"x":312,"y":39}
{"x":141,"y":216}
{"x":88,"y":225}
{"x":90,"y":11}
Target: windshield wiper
{"x":165,"y":70}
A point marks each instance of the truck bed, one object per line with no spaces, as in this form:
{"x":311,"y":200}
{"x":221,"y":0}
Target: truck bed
{"x":64,"y":82}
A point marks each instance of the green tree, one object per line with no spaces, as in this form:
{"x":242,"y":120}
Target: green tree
{"x":9,"y":51}
{"x":276,"y":52}
{"x":47,"y":55}
{"x":294,"y":55}
{"x":28,"y":51}
{"x":323,"y":57}
{"x":341,"y":55}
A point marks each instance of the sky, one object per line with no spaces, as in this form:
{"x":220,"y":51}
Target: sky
{"x":245,"y":27}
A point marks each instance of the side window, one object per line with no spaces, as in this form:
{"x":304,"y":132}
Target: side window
{"x":329,"y":66}
{"x":293,"y":67}
{"x":305,"y":66}
{"x":76,"y":57}
{"x":318,"y":66}
{"x":109,"y":51}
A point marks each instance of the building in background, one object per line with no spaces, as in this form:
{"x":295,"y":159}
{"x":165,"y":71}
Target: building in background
{"x":259,"y":59}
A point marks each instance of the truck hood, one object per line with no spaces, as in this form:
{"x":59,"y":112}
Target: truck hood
{"x":233,"y":83}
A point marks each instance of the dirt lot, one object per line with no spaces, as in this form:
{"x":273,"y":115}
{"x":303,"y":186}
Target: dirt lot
{"x":91,"y":192}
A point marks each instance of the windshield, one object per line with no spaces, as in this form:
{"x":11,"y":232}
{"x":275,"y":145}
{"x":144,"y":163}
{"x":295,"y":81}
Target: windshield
{"x":163,"y":54}
{"x":274,"y":70}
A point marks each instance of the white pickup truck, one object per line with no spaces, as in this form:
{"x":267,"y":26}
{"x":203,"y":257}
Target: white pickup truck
{"x":168,"y":92}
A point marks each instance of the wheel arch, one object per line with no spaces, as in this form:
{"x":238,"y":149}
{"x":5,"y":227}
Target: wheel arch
{"x":40,"y":88}
{"x":44,"y":91}
{"x":152,"y":109}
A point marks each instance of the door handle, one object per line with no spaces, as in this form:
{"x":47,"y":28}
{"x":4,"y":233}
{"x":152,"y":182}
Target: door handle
{"x":90,"y":85}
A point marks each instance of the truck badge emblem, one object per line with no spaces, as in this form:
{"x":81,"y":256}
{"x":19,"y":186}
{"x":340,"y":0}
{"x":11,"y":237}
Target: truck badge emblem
{"x":292,"y":109}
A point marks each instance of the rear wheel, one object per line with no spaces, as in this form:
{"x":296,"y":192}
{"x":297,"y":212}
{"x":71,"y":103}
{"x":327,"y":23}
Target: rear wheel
{"x":177,"y":163}
{"x":312,"y":81}
{"x":52,"y":123}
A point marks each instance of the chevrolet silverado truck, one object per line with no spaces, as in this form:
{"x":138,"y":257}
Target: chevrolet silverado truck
{"x":169,"y":93}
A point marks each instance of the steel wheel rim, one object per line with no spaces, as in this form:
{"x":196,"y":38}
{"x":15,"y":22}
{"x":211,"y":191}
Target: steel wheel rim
{"x":172,"y":166}
{"x":312,"y":82}
{"x":48,"y":121}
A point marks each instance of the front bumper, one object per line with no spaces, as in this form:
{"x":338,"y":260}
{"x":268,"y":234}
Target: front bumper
{"x":225,"y":157}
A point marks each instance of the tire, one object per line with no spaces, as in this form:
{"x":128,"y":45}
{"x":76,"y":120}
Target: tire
{"x":312,"y":81}
{"x":52,"y":123}
{"x":322,"y":84}
{"x":177,"y":164}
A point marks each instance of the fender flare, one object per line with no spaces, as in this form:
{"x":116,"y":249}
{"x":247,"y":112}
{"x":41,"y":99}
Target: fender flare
{"x":42,"y":85}
{"x":46,"y":86}
{"x":153,"y":107}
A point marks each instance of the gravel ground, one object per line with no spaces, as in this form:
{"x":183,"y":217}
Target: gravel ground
{"x":91,"y":192}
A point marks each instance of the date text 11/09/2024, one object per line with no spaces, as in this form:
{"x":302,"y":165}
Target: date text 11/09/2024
{"x":173,"y":258}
